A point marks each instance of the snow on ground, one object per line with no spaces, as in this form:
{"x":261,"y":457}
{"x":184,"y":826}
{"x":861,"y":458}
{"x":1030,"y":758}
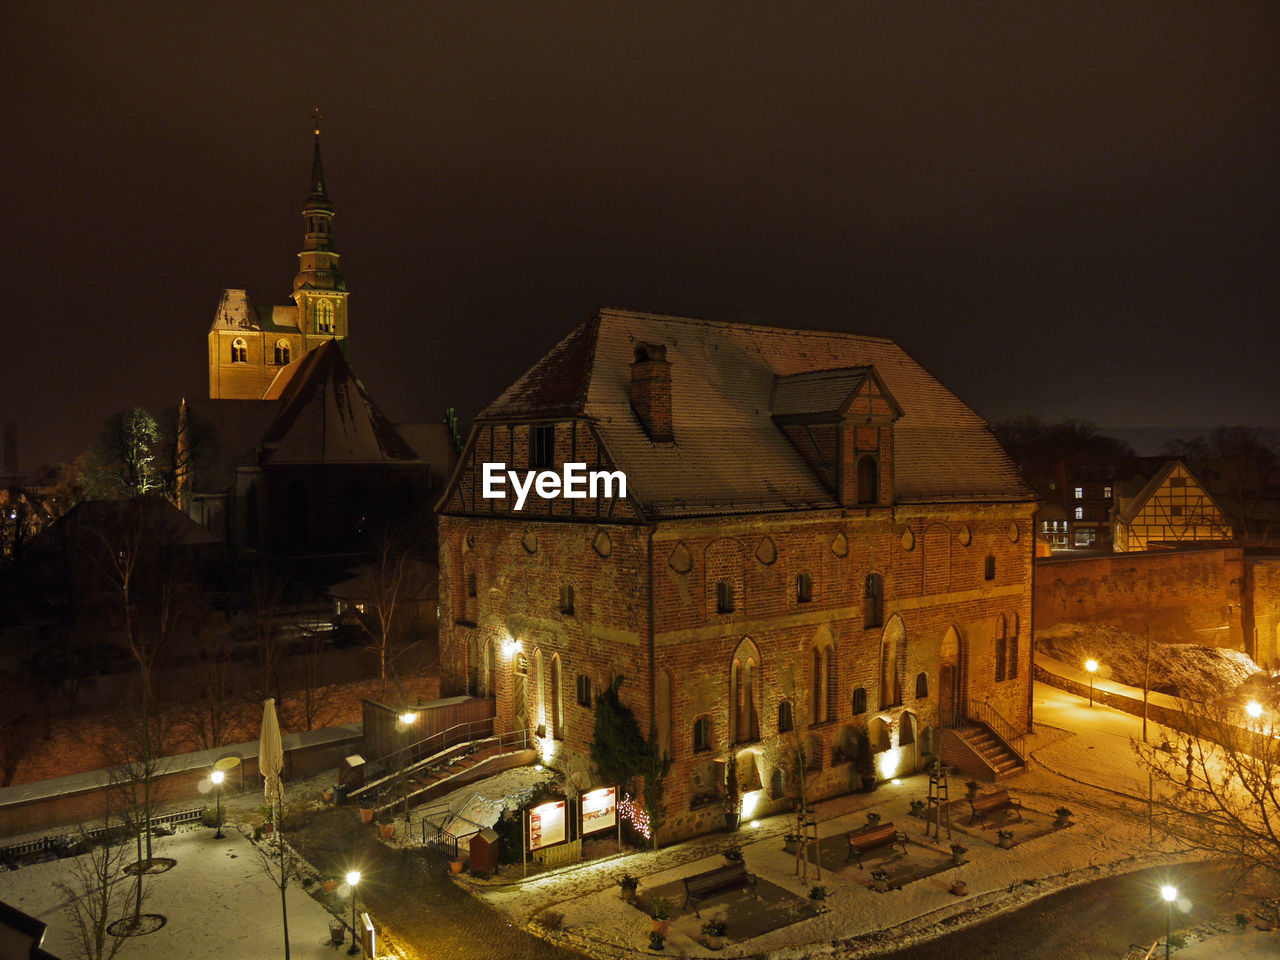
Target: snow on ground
{"x":217,"y":901}
{"x":1179,"y":668}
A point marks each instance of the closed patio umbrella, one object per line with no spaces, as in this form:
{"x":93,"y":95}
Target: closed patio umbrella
{"x":271,"y":756}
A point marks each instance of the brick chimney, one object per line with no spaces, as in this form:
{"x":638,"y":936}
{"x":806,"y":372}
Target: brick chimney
{"x":651,"y":390}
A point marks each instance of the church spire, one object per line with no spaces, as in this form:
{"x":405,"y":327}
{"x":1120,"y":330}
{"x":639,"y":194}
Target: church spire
{"x":318,"y":263}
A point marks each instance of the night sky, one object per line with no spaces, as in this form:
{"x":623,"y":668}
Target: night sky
{"x":1067,"y":209}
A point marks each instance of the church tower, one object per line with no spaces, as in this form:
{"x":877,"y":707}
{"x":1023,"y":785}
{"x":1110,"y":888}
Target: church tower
{"x":250,"y":345}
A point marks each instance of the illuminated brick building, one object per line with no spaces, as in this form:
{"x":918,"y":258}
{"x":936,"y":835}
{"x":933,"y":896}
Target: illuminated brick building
{"x":249,"y":345}
{"x":817,"y":539}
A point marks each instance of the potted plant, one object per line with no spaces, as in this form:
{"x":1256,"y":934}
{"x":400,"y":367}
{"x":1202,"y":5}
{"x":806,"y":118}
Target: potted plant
{"x":972,"y":787}
{"x":917,"y":808}
{"x":366,"y":813}
{"x":873,"y":819}
{"x":880,"y":880}
{"x":818,"y":893}
{"x":327,"y":794}
{"x":329,"y":882}
{"x":656,"y":941}
{"x":732,"y":795}
{"x":456,"y":864}
{"x":628,"y":885}
{"x":1006,"y":838}
{"x":713,"y":931}
{"x":733,"y":854}
{"x":1064,"y":817}
{"x":386,"y":826}
{"x":959,"y":888}
{"x":957,"y":853}
{"x":661,"y":909}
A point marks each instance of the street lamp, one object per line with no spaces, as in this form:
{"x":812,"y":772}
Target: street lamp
{"x":1169,"y":894}
{"x":1254,"y":709}
{"x":353,"y":878}
{"x":217,"y":777}
{"x":1092,"y":667}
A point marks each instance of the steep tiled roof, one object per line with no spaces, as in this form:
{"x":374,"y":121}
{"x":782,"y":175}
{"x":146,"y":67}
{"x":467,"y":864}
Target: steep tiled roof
{"x":237,"y":311}
{"x":728,"y":456}
{"x":815,"y":394}
{"x":325,"y":415}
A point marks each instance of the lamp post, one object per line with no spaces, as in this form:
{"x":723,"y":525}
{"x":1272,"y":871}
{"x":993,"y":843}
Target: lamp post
{"x":353,"y":878}
{"x":406,"y":723}
{"x":1169,"y":894}
{"x":1092,"y":667}
{"x":1254,"y":709}
{"x":217,"y":777}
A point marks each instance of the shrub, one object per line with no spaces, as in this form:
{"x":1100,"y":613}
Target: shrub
{"x":661,"y":908}
{"x":818,"y":893}
{"x":714,"y":928}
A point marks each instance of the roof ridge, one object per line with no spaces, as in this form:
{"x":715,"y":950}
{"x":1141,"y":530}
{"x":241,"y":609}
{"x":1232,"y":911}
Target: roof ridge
{"x":739,"y":324}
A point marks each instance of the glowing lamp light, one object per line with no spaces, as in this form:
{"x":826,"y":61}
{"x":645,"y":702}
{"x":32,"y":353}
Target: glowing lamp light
{"x":547,"y":750}
{"x":1091,"y":666}
{"x":755,"y":824}
{"x":408,"y":718}
{"x":217,"y":777}
{"x":353,"y":877}
{"x":1254,"y":709}
{"x":1168,"y":893}
{"x":888,"y":763}
{"x":750,"y":800}
{"x":510,"y":646}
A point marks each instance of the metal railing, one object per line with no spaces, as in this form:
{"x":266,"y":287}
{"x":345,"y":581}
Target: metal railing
{"x":984,"y":712}
{"x":71,"y":844}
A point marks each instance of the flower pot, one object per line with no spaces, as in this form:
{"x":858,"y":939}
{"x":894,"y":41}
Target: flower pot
{"x":337,"y":931}
{"x":629,"y":894}
{"x":456,"y":865}
{"x":329,"y":885}
{"x":388,"y":830}
{"x":880,"y":886}
{"x":959,"y":888}
{"x":268,"y":827}
{"x":661,"y":926}
{"x":327,"y":794}
{"x":366,"y":814}
{"x":1006,"y":843}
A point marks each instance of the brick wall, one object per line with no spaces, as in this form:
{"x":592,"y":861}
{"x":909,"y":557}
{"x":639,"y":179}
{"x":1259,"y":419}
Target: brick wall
{"x":1192,"y":596}
{"x":934,"y":564}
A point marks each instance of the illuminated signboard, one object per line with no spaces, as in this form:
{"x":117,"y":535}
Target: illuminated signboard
{"x":546,"y":825}
{"x":599,"y":809}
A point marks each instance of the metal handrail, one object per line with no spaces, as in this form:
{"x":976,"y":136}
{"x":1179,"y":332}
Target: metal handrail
{"x":471,"y":727}
{"x":983,"y":711}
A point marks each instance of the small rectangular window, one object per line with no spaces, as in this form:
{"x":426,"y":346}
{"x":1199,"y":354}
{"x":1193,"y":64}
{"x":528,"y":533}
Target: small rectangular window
{"x":584,"y":690}
{"x":989,"y":570}
{"x":542,"y":442}
{"x":1079,"y":493}
{"x":1106,"y":492}
{"x":1175,"y":511}
{"x":1079,"y":513}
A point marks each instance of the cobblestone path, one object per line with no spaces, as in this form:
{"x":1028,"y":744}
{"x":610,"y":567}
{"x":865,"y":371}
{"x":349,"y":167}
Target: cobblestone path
{"x":409,"y":893}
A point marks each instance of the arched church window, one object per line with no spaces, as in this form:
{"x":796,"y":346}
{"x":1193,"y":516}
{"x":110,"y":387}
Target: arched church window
{"x":239,"y":351}
{"x":324,"y":317}
{"x":282,"y":353}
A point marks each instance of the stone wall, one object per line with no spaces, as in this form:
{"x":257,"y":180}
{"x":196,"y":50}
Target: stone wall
{"x":1185,"y":596}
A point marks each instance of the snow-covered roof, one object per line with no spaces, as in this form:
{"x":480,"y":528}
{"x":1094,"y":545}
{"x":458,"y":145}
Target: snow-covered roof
{"x":237,"y":312}
{"x":728,"y":455}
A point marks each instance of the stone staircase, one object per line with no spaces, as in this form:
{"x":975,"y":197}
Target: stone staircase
{"x":993,"y":751}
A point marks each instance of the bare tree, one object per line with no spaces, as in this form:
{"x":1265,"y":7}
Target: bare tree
{"x":1220,"y":785}
{"x":380,"y":582}
{"x":209,"y":712}
{"x":282,"y":865}
{"x":266,"y":593}
{"x":1241,"y":466}
{"x":95,"y":898}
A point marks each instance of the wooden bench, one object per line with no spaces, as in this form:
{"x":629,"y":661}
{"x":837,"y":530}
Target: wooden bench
{"x":982,"y":807}
{"x":860,"y":841}
{"x":728,"y":877}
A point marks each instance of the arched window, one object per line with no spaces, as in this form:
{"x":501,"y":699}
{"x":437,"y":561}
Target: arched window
{"x":873,"y":601}
{"x":539,"y":699}
{"x":804,"y":588}
{"x":324,"y":316}
{"x":239,"y":350}
{"x":282,"y":353}
{"x":744,"y":684}
{"x":785,"y":719}
{"x":724,"y":597}
{"x":557,"y":699}
{"x":1002,"y":646}
{"x":868,"y":481}
{"x":489,"y":671}
{"x":702,"y":735}
{"x":922,"y":686}
{"x":892,"y":646}
{"x":1012,"y":665}
{"x":860,"y":701}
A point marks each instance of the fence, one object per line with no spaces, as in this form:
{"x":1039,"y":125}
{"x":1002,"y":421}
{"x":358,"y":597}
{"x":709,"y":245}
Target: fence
{"x":72,"y":844}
